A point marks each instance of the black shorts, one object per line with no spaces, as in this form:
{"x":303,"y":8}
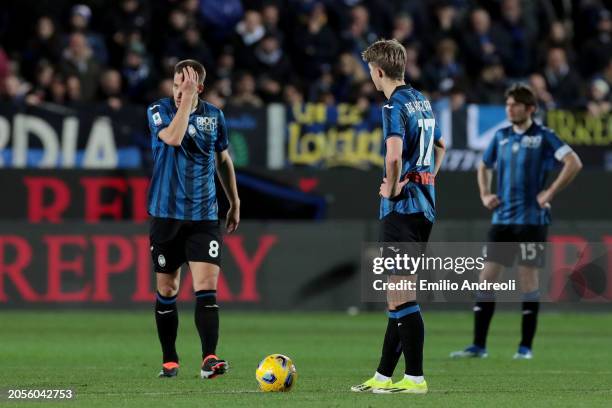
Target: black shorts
{"x":174,"y":242}
{"x":413,"y":229}
{"x":526,"y":241}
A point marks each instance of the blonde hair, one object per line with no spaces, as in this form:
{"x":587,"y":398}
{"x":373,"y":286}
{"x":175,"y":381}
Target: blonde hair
{"x":388,"y":55}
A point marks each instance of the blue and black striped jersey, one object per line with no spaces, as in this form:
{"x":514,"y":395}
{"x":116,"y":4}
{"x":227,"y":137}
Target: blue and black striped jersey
{"x":183,"y":181}
{"x":408,"y":114}
{"x":522,"y":162}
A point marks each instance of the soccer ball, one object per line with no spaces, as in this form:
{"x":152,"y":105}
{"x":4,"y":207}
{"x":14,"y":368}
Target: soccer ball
{"x":276,"y":373}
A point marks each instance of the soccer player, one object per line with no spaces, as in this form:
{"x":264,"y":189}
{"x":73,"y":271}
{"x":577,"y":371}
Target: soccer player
{"x":413,"y":155}
{"x":190,"y":141}
{"x":521,"y":154}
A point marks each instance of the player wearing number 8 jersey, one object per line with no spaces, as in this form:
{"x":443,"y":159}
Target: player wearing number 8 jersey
{"x":189,"y":141}
{"x":413,"y":152}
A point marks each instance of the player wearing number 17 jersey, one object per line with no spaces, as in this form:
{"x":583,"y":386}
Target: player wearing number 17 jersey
{"x":413,"y":153}
{"x":189,"y":141}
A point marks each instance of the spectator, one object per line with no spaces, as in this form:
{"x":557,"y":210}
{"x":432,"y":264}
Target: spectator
{"x":270,"y":15}
{"x":273,"y":68}
{"x":214,"y":97}
{"x":561,"y":80}
{"x":359,"y":35}
{"x":14,"y":90}
{"x":130,"y":16}
{"x":441,"y":74}
{"x":221,"y":17}
{"x":403,"y":29}
{"x":521,"y":51}
{"x":79,"y":23}
{"x":597,"y":50}
{"x":78,"y":61}
{"x":445,"y":24}
{"x":41,"y":90}
{"x":558,"y":37}
{"x":483,"y":43}
{"x":491,"y":85}
{"x":177,"y":25}
{"x":544,"y":99}
{"x":111,"y":89}
{"x":314,"y":45}
{"x":349,"y":74}
{"x":244,"y":94}
{"x":58,"y":91}
{"x":73,"y":90}
{"x":292,"y":95}
{"x":413,"y":73}
{"x":192,"y":47}
{"x":137,"y":73}
{"x":45,"y":45}
{"x":599,"y":102}
{"x":248,"y":33}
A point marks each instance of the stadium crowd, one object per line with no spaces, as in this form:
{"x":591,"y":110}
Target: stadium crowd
{"x":123,"y":52}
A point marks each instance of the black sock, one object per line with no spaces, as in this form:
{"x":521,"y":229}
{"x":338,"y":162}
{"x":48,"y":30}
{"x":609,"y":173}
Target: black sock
{"x":412,"y":336}
{"x":392,"y":348}
{"x":529,"y":323}
{"x":166,"y":319}
{"x":483,"y":313}
{"x":207,"y":320}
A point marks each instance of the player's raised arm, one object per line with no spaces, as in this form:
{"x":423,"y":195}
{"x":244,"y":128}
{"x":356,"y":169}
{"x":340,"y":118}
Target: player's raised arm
{"x":185,"y":88}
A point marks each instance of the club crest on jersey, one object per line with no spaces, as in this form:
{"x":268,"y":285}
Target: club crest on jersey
{"x":515,"y":147}
{"x":206,"y":124}
{"x":192,"y":130}
{"x":531,"y":142}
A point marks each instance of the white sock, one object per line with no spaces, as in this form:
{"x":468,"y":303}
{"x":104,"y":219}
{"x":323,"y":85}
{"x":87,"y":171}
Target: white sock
{"x":379,"y":377}
{"x":416,"y":378}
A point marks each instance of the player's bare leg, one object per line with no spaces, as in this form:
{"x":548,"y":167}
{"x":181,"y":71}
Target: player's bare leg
{"x":166,"y":319}
{"x":205,"y":276}
{"x":530,"y":284}
{"x":484,"y":308}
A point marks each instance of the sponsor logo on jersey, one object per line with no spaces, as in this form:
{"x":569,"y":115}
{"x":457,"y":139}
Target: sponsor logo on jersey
{"x":531,"y":142}
{"x":206,"y":124}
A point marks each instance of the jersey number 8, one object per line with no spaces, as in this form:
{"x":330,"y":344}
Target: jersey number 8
{"x":213,"y":249}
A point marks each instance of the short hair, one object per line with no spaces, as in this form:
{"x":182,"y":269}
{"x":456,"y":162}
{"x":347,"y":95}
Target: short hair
{"x":197,"y":67}
{"x":522,"y":93}
{"x":388,"y":55}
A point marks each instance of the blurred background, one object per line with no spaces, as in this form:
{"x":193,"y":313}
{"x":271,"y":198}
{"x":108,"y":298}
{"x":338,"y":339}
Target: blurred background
{"x":305,"y":133}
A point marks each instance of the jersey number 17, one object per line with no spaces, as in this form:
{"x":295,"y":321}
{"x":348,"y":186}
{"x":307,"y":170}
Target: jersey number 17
{"x":426,"y":136}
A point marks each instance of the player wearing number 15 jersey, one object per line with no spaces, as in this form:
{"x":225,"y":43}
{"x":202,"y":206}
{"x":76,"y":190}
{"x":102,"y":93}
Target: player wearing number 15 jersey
{"x":189,"y":140}
{"x":413,"y":153}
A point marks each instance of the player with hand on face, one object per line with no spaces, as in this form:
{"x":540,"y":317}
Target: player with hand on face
{"x":190,"y":141}
{"x":521,"y":154}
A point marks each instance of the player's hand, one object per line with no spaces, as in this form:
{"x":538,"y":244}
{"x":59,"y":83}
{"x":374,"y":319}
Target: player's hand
{"x":189,"y":86}
{"x":233,"y":219}
{"x":544,"y":198}
{"x":387,"y":190}
{"x":490,"y":201}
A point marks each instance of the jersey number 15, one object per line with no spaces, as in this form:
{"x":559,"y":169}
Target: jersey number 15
{"x":427,"y":127}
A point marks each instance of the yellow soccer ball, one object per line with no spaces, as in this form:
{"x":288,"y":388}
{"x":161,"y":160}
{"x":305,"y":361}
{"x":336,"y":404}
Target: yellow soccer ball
{"x":276,"y":373}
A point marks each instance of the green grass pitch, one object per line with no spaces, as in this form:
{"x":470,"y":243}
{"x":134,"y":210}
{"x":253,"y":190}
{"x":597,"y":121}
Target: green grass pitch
{"x":111,"y":359}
